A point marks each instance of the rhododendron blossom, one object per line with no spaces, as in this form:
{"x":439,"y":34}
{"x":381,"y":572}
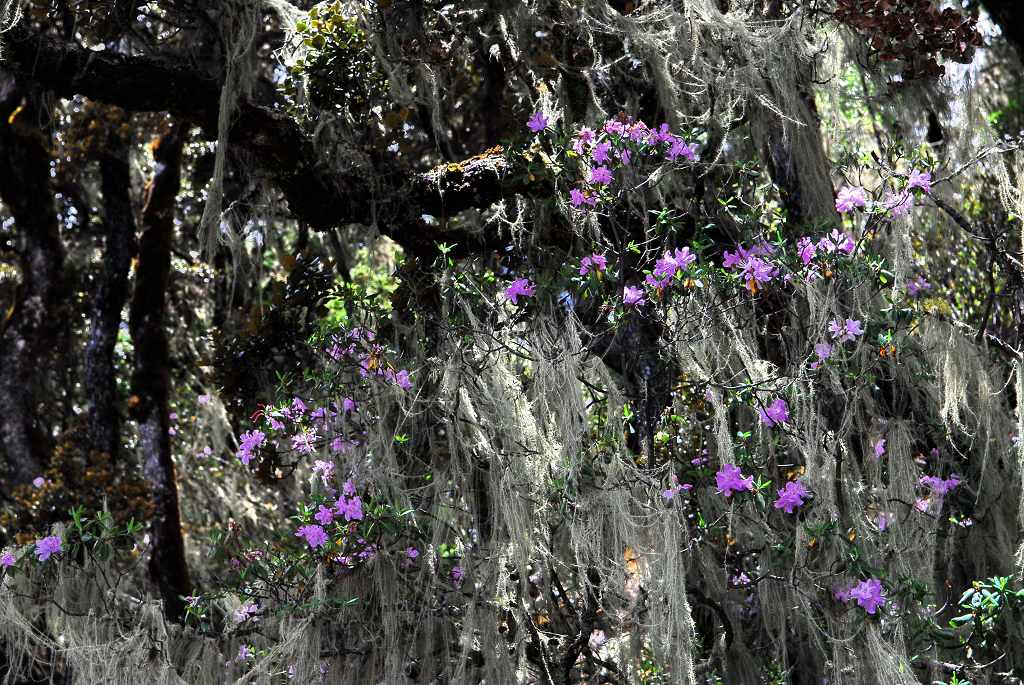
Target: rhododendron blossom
{"x":850,"y":198}
{"x":774,"y":414}
{"x":520,"y":287}
{"x":791,"y":496}
{"x":868,"y":594}
{"x":601,"y":175}
{"x":918,"y":286}
{"x":250,"y":441}
{"x":632,"y":296}
{"x":351,"y":508}
{"x":940,"y":486}
{"x":538,"y":122}
{"x":843,"y":331}
{"x":598,"y":262}
{"x":729,"y":479}
{"x":313,"y":534}
{"x":48,"y":546}
{"x":921,"y":180}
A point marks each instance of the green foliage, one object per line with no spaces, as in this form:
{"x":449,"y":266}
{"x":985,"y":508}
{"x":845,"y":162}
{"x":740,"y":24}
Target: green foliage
{"x":338,"y":67}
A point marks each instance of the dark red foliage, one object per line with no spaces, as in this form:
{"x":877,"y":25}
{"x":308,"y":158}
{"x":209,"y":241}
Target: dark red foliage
{"x":913,"y":32}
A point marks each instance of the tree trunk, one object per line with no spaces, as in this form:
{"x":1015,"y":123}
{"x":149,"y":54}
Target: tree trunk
{"x":151,"y":376}
{"x":111,"y":294}
{"x":29,"y":330}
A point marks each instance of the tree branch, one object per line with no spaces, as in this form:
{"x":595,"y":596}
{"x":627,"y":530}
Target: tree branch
{"x":317,"y":195}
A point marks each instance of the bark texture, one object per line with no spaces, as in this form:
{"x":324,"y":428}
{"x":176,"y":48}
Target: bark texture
{"x":111,"y":295}
{"x":151,"y":376}
{"x":29,"y":329}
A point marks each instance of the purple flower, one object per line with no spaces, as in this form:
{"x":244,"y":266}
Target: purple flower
{"x":879,"y":448}
{"x":457,"y":575}
{"x":595,"y":261}
{"x":614,"y":127}
{"x":348,"y":488}
{"x":774,"y":414}
{"x":883,"y":522}
{"x":843,"y":331}
{"x":298,"y":406}
{"x":348,"y":405}
{"x":402,"y":379}
{"x":675,"y":488}
{"x":791,"y":496}
{"x":412,"y":553}
{"x":837,"y":240}
{"x":681,"y":148}
{"x":244,"y":612}
{"x":848,"y":198}
{"x":624,"y":156}
{"x":314,"y":535}
{"x":756,"y":271}
{"x":638,"y":131}
{"x":244,"y":653}
{"x":249,"y":441}
{"x":538,"y":122}
{"x":917,"y":286}
{"x":204,"y":399}
{"x":7,"y":559}
{"x":729,"y":480}
{"x":600,"y":153}
{"x":868,"y":594}
{"x":324,"y":515}
{"x":940,"y":486}
{"x":38,"y":481}
{"x":584,"y":138}
{"x":667,"y":267}
{"x":823,"y":350}
{"x":898,"y":205}
{"x":520,"y":287}
{"x":920,"y":179}
{"x":325,"y":469}
{"x":305,"y":441}
{"x":806,"y":249}
{"x":601,"y":175}
{"x":47,"y":546}
{"x":350,"y":508}
{"x":632,"y":296}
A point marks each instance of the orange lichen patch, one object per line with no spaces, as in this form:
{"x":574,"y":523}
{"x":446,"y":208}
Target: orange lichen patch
{"x":14,"y":115}
{"x":487,"y":157}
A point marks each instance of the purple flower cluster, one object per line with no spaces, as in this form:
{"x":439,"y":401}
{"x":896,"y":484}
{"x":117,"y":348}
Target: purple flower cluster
{"x":843,"y":331}
{"x":775,"y":414}
{"x":791,"y":496}
{"x":729,"y":479}
{"x":314,"y":535}
{"x":597,"y":262}
{"x":675,"y":488}
{"x":868,"y":594}
{"x":752,"y":265}
{"x":615,"y":145}
{"x":666,"y":268}
{"x":358,"y":345}
{"x":48,"y":546}
{"x":940,"y":486}
{"x":248,"y":442}
{"x":520,"y":287}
